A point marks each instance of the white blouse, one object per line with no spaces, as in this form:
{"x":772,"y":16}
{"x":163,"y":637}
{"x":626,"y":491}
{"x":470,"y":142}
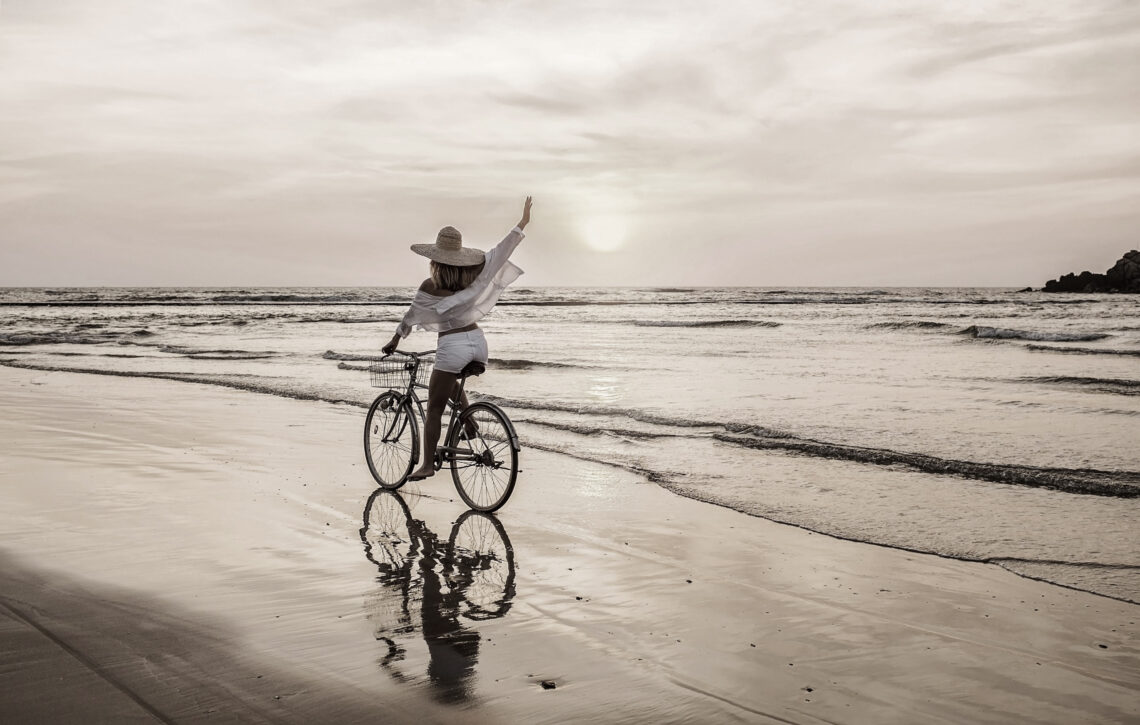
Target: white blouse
{"x":470,"y":304}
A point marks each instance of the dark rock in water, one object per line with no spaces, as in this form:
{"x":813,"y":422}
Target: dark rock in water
{"x":1027,"y":289}
{"x":1123,"y":277}
{"x":1084,"y":282}
{"x":1125,"y":274}
{"x":548,"y":684}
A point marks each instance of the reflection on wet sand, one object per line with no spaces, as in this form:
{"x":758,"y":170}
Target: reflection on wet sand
{"x":436,"y":587}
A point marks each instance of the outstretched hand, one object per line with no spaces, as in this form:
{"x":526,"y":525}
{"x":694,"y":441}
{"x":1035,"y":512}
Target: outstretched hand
{"x":526,"y":214}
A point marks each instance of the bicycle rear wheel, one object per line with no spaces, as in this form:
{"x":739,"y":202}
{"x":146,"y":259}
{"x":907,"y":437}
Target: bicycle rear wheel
{"x":487,"y":464}
{"x":391,"y":439}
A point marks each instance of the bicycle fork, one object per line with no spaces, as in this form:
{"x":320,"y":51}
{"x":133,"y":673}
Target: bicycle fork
{"x":398,"y":419}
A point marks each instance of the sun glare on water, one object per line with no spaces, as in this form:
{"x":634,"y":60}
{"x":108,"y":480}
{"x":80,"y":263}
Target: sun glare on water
{"x":604,"y":234}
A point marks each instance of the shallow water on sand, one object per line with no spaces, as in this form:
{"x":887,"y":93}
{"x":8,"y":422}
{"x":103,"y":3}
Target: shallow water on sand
{"x":977,"y":424}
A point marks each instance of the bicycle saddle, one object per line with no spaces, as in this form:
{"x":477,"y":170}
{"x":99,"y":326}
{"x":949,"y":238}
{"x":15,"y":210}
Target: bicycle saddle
{"x":472,"y":369}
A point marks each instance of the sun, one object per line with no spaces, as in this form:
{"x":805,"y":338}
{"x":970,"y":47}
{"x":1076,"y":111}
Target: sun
{"x":604,"y":233}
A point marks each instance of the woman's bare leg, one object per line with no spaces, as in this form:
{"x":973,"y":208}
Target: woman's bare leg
{"x":440,"y":387}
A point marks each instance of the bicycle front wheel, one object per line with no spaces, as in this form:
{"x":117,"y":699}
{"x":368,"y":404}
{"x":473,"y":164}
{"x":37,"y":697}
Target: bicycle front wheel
{"x":391,"y":438}
{"x":486,"y":463}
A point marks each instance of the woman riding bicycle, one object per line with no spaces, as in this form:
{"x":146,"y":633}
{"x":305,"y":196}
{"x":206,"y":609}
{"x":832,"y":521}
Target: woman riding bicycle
{"x":464,"y":285}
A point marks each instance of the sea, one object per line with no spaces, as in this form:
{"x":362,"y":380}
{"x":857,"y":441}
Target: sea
{"x":986,"y":425}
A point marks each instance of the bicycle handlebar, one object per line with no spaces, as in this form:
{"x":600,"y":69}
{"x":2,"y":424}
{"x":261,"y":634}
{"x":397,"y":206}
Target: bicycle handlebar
{"x":411,"y":354}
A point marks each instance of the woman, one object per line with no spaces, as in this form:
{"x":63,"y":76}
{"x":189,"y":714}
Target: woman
{"x":464,"y":285}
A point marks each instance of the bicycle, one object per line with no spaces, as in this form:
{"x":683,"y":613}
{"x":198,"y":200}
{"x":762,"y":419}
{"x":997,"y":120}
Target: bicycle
{"x":481,"y":446}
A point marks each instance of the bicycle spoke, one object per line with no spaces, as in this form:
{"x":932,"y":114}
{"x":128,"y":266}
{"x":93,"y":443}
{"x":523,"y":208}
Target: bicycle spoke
{"x":484,"y":477}
{"x":390,"y":440}
{"x":484,"y":565}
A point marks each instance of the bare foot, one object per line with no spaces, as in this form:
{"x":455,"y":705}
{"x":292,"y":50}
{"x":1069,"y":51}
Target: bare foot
{"x":422,"y":473}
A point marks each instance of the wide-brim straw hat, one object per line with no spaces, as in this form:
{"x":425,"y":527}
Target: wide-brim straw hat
{"x":449,"y":249}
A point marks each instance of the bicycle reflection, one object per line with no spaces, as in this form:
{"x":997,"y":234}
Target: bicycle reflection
{"x":471,"y":577}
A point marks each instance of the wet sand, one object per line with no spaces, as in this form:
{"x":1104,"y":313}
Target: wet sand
{"x":185,"y":553}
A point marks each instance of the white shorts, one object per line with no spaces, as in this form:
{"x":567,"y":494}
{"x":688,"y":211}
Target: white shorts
{"x":454,"y":351}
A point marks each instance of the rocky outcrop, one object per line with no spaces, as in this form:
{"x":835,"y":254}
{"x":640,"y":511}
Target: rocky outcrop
{"x":1123,"y":277}
{"x":1125,"y":274}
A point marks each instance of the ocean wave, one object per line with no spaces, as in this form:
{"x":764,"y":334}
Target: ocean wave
{"x":1083,"y":350}
{"x":1071,"y":574}
{"x":593,"y":430}
{"x":495,"y":363}
{"x":906,"y":325}
{"x":1122,"y":484}
{"x":702,"y":323}
{"x":633,"y":414}
{"x":351,"y":357}
{"x":533,"y":299}
{"x":196,"y":353}
{"x":345,"y":320}
{"x":1001,"y":333}
{"x":60,"y":353}
{"x":294,"y":298}
{"x":19,"y":339}
{"x":229,"y":356}
{"x":1118,"y":386}
{"x":1075,"y":574}
{"x":1125,"y":484}
{"x":350,"y":366}
{"x":507,"y":364}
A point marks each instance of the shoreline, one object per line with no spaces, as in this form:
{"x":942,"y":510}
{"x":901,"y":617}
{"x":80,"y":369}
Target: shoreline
{"x":637,"y":603}
{"x":235,"y":382}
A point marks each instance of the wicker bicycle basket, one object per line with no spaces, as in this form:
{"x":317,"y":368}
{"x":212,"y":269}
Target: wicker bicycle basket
{"x":392,"y":372}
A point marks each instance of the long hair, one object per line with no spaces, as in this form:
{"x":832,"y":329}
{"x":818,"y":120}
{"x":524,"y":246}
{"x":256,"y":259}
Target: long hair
{"x":450,"y":277}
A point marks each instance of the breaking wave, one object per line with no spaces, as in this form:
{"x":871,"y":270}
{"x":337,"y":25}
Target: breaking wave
{"x":1001,"y":333}
{"x":906,"y":325}
{"x":703,"y":323}
{"x":59,"y":338}
{"x":350,"y":366}
{"x":1118,"y":386}
{"x":503,"y":364}
{"x":351,"y":357}
{"x":1083,"y":350}
{"x":197,"y":353}
{"x":344,"y":320}
{"x":1124,"y":484}
{"x":495,"y":363}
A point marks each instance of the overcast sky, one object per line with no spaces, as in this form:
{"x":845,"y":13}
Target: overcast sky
{"x":277,"y":142}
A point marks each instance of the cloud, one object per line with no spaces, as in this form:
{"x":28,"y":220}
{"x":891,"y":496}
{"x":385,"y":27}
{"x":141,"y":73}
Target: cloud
{"x":277,"y":124}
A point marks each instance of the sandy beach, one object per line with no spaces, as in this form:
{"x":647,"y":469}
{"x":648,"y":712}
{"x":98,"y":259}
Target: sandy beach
{"x":187,"y":553}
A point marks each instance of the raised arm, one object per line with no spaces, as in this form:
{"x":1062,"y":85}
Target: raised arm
{"x":498,"y":256}
{"x":494,"y":264}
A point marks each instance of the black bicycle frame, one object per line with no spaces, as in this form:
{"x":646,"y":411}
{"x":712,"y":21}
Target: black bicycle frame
{"x":442,"y":452}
